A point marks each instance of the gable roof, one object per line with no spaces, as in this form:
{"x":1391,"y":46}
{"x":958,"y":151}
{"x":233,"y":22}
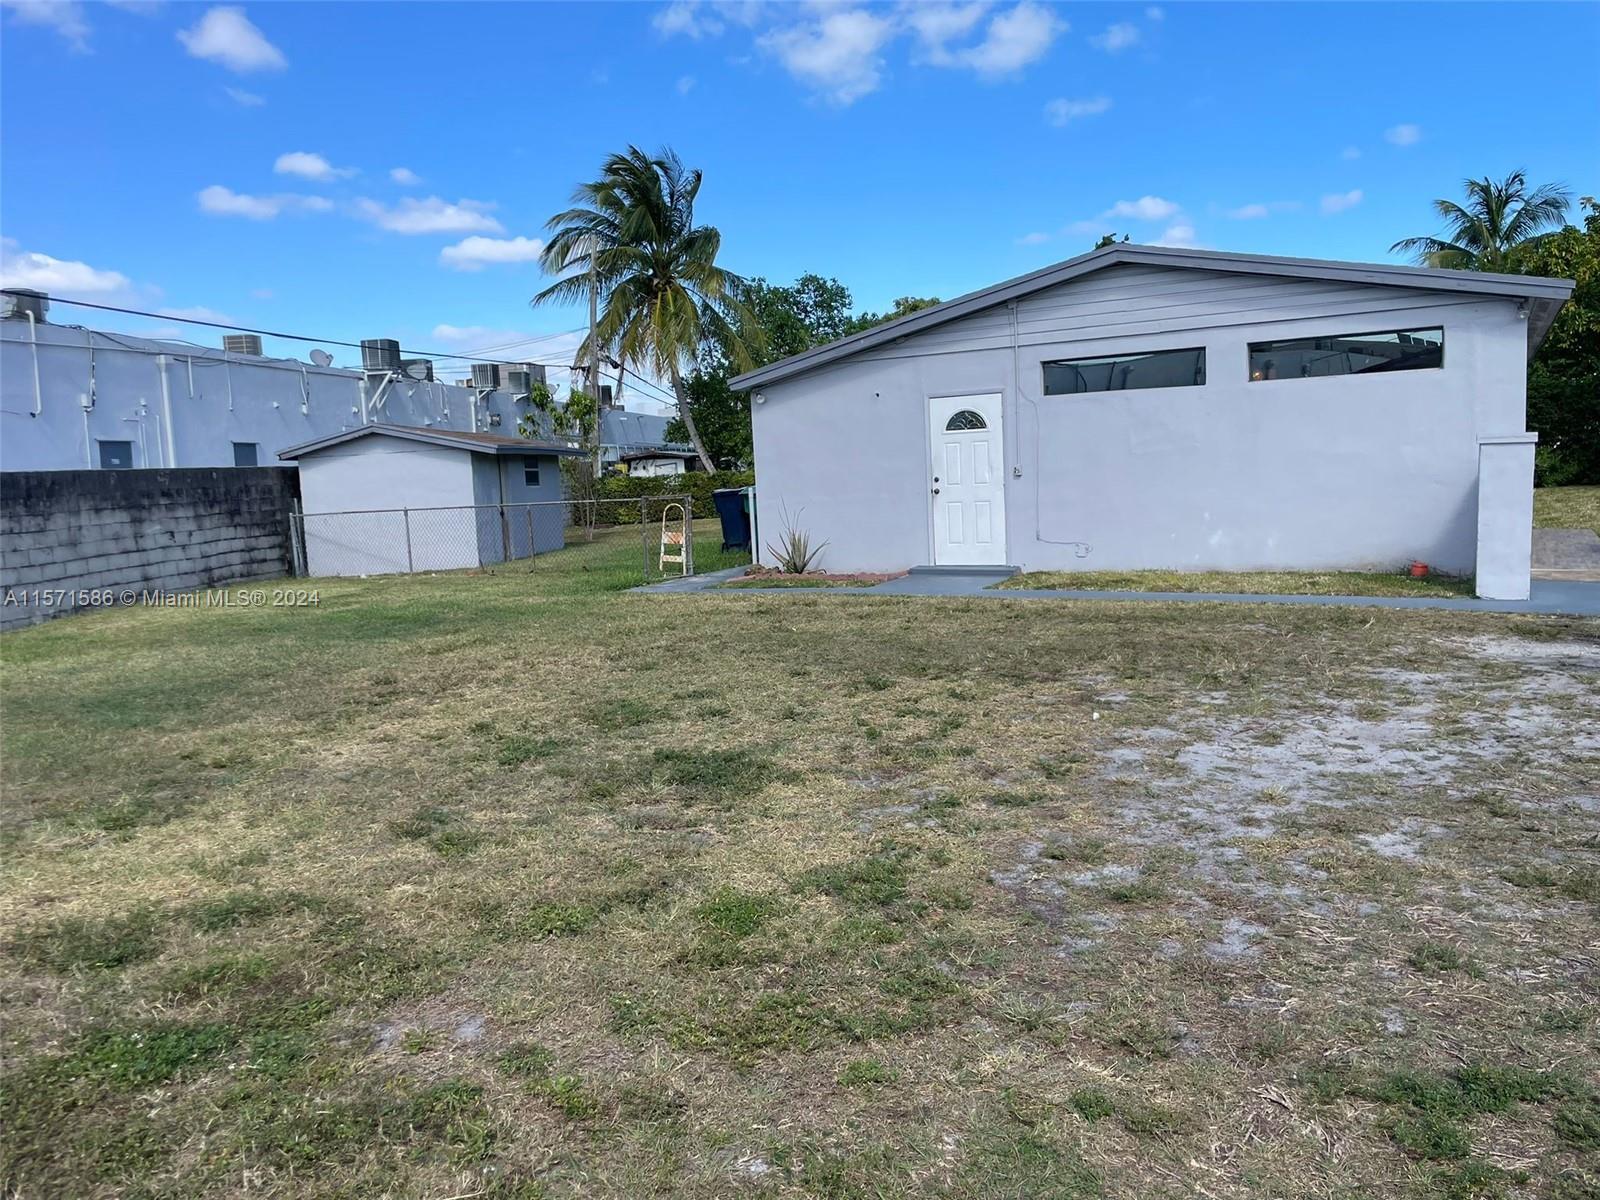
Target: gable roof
{"x":1544,"y":296}
{"x":455,"y":439}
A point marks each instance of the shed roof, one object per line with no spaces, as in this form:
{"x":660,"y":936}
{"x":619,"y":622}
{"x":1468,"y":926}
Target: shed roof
{"x":1544,"y":296}
{"x":455,"y":439}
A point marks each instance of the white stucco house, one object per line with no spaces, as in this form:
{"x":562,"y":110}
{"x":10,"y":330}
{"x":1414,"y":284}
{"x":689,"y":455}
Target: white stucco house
{"x":391,"y":499}
{"x":1142,"y":407}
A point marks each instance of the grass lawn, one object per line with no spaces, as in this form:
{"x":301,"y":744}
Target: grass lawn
{"x":498,"y":885}
{"x":1273,"y":583}
{"x":1567,"y":508}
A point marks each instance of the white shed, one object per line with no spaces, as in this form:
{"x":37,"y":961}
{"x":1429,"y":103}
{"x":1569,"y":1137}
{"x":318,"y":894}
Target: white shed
{"x":389,"y":499}
{"x":1141,"y":407}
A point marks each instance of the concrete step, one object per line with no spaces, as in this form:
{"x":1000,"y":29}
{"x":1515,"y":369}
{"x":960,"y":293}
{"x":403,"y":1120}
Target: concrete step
{"x":981,"y":572}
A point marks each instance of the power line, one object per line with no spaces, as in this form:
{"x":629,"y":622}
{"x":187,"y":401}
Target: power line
{"x":300,"y":337}
{"x":662,"y":394}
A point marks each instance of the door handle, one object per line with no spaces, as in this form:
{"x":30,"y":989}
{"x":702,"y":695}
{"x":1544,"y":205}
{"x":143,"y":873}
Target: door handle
{"x":935,"y":491}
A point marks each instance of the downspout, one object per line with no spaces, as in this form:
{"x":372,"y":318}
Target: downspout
{"x":166,"y":411}
{"x":33,"y":339}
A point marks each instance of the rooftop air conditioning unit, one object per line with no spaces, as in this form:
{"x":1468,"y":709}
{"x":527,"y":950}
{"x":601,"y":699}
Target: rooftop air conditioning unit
{"x":485,"y":376}
{"x":242,"y":343}
{"x":535,"y":372}
{"x":518,"y":383}
{"x":420,"y":369}
{"x":20,"y":302}
{"x":380,"y":354}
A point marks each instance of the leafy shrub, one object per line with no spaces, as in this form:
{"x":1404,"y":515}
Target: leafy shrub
{"x":697,"y":484}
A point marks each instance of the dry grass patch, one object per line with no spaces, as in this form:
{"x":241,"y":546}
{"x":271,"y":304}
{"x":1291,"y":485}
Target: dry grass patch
{"x":488,"y":886}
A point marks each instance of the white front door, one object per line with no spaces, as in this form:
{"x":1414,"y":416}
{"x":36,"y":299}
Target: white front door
{"x":967,"y":480}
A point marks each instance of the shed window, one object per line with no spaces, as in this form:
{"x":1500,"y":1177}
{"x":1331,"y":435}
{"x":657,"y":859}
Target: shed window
{"x":963,"y":420}
{"x":116,"y":456}
{"x":1126,"y":372}
{"x":530,"y":472}
{"x":245,"y":454}
{"x":1347,"y":354}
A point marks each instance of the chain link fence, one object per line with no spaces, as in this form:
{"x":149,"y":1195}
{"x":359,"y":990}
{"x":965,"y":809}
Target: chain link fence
{"x":621,"y":542}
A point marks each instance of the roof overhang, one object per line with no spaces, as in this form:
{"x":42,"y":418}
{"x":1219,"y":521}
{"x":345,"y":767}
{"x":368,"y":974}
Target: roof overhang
{"x":1542,"y":296}
{"x":454,"y":439}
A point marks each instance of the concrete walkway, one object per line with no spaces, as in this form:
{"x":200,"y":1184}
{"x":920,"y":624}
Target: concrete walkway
{"x":1550,"y":597}
{"x":1566,"y":555}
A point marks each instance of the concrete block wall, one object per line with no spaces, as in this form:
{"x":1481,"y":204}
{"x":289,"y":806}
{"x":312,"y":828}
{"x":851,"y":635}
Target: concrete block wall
{"x":168,"y":531}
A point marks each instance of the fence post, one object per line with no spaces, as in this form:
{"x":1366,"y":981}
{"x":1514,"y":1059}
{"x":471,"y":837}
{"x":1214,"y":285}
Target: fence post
{"x":411,"y":565}
{"x":644,"y":537}
{"x":297,"y":539}
{"x":505,"y":536}
{"x":688,"y":536}
{"x":533,"y":547}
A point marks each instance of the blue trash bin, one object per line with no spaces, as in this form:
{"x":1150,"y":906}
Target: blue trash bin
{"x":735,"y":518}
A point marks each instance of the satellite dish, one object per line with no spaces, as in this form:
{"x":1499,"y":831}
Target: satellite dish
{"x":419,"y":371}
{"x":321,"y":358}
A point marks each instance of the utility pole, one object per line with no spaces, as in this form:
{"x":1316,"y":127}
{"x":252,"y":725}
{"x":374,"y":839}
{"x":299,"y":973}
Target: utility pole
{"x":594,"y":360}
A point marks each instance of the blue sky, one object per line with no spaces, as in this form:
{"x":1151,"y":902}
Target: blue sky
{"x":373,"y":169}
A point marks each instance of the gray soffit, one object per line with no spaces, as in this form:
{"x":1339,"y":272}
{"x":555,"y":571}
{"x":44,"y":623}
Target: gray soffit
{"x":1544,"y":296}
{"x":455,"y":439}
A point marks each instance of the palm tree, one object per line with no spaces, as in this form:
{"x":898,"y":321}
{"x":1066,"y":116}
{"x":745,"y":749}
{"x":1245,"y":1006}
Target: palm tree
{"x":1485,"y":233}
{"x":630,"y":238}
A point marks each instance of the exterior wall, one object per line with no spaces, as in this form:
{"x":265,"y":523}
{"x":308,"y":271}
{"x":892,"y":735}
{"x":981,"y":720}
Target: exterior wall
{"x":1349,"y":472}
{"x":369,"y":482}
{"x":210,"y":401}
{"x":406,"y":506}
{"x":158,"y":531}
{"x":649,"y":468}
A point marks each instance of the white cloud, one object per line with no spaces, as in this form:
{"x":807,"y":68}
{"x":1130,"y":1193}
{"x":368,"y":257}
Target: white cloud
{"x":838,"y":57}
{"x":1116,"y":38}
{"x":1339,"y":201}
{"x":1013,"y":40}
{"x":432,"y":215}
{"x":685,"y":84}
{"x":1249,"y":212}
{"x":405,"y":176}
{"x":28,"y":269}
{"x":1403,"y":135}
{"x":935,"y":25}
{"x":224,"y":202}
{"x":1155,"y":13}
{"x":1059,"y":112}
{"x":1178,"y":235}
{"x":1350,"y":153}
{"x":66,"y":17}
{"x":225,"y":35}
{"x":475,"y":253}
{"x":245,"y":99}
{"x":1145,"y":208}
{"x":1033,"y":239}
{"x":688,"y":18}
{"x":310,"y":166}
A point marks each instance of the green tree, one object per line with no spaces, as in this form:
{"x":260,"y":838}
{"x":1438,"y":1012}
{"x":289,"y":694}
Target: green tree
{"x":722,"y":416}
{"x":632,"y":235}
{"x":1499,"y":221}
{"x":791,"y":318}
{"x":1564,"y":377}
{"x":903,"y":307}
{"x":1108,"y":239}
